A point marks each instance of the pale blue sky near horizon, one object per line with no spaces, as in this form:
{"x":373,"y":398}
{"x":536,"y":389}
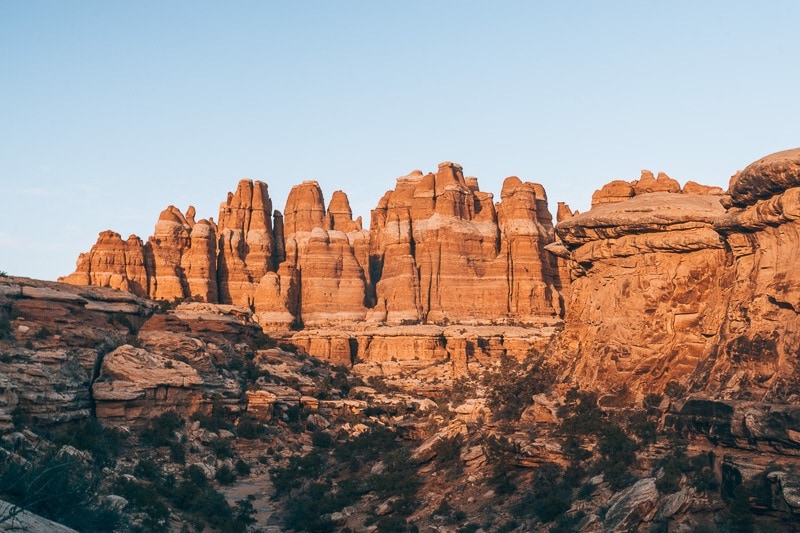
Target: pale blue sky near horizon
{"x":110,"y":111}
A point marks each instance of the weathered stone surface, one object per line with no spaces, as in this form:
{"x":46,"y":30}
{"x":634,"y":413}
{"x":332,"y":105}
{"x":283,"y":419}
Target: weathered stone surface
{"x":163,"y":255}
{"x":647,"y":294}
{"x":137,"y":384}
{"x":440,"y":251}
{"x":246,"y":243}
{"x":199,"y":262}
{"x":320,"y":282}
{"x":647,"y":183}
{"x":57,"y":334}
{"x":613,"y":192}
{"x":767,"y":177}
{"x":113,"y":263}
{"x":20,"y":520}
{"x":631,"y":506}
{"x":260,"y":404}
{"x":390,"y":347}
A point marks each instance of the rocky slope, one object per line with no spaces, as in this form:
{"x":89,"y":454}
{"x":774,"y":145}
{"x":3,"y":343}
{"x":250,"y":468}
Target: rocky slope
{"x":668,"y":402}
{"x":198,"y":387}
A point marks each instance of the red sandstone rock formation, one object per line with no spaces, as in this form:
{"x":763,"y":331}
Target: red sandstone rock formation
{"x":246,"y":242}
{"x":620,"y":190}
{"x":320,"y":261}
{"x":439,"y":250}
{"x":114,"y":263}
{"x":758,"y":344}
{"x":163,"y":255}
{"x":646,"y":296}
{"x":674,"y":287}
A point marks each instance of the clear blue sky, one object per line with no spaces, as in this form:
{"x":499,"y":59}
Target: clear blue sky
{"x":110,"y":111}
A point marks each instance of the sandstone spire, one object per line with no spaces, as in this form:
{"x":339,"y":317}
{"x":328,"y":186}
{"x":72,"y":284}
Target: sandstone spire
{"x":246,"y":246}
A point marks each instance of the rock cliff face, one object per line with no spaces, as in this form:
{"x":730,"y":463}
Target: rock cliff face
{"x":441,"y":251}
{"x":758,"y":344}
{"x":438,"y":251}
{"x":646,"y":296}
{"x":675,"y":287}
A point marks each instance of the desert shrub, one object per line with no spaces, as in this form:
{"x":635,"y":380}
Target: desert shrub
{"x":399,"y":478}
{"x":367,"y":446}
{"x":309,"y":510}
{"x":619,"y":452}
{"x":144,"y":498}
{"x":643,"y":427}
{"x":161,"y":429}
{"x":249,"y":428}
{"x":652,"y":401}
{"x":177,"y":452}
{"x":675,"y":390}
{"x":500,"y":455}
{"x":547,"y":496}
{"x":299,"y":468}
{"x":6,"y":330}
{"x":308,"y":481}
{"x":194,"y":495}
{"x":43,"y":333}
{"x":225,"y":475}
{"x":262,"y":341}
{"x":321,"y":439}
{"x":581,"y":415}
{"x":242,"y":468}
{"x":62,"y":489}
{"x":740,"y":514}
{"x":448,"y":455}
{"x":147,"y":469}
{"x":218,"y":417}
{"x":103,"y":443}
{"x":221,"y":448}
{"x":511,"y":386}
{"x":122,"y":319}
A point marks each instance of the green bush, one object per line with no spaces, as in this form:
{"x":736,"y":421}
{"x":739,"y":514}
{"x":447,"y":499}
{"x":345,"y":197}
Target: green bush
{"x":144,"y":498}
{"x":218,"y":416}
{"x":299,"y":468}
{"x":448,"y":453}
{"x":221,"y":448}
{"x":225,"y":475}
{"x":147,"y":469}
{"x":249,"y":428}
{"x":321,"y":439}
{"x":6,"y":330}
{"x":62,"y":489}
{"x":242,"y":468}
{"x":161,"y":430}
{"x":511,"y":386}
{"x":103,"y":443}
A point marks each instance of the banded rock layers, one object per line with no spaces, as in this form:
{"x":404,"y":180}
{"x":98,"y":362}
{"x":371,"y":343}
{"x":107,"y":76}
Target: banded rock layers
{"x":690,"y":286}
{"x":438,"y":251}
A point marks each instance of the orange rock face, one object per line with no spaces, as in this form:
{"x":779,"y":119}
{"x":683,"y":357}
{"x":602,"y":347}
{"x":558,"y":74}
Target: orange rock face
{"x":163,"y":254}
{"x":648,"y":276}
{"x":675,"y":287}
{"x":438,"y":251}
{"x":114,"y":263}
{"x":759,"y":341}
{"x":246,"y":242}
